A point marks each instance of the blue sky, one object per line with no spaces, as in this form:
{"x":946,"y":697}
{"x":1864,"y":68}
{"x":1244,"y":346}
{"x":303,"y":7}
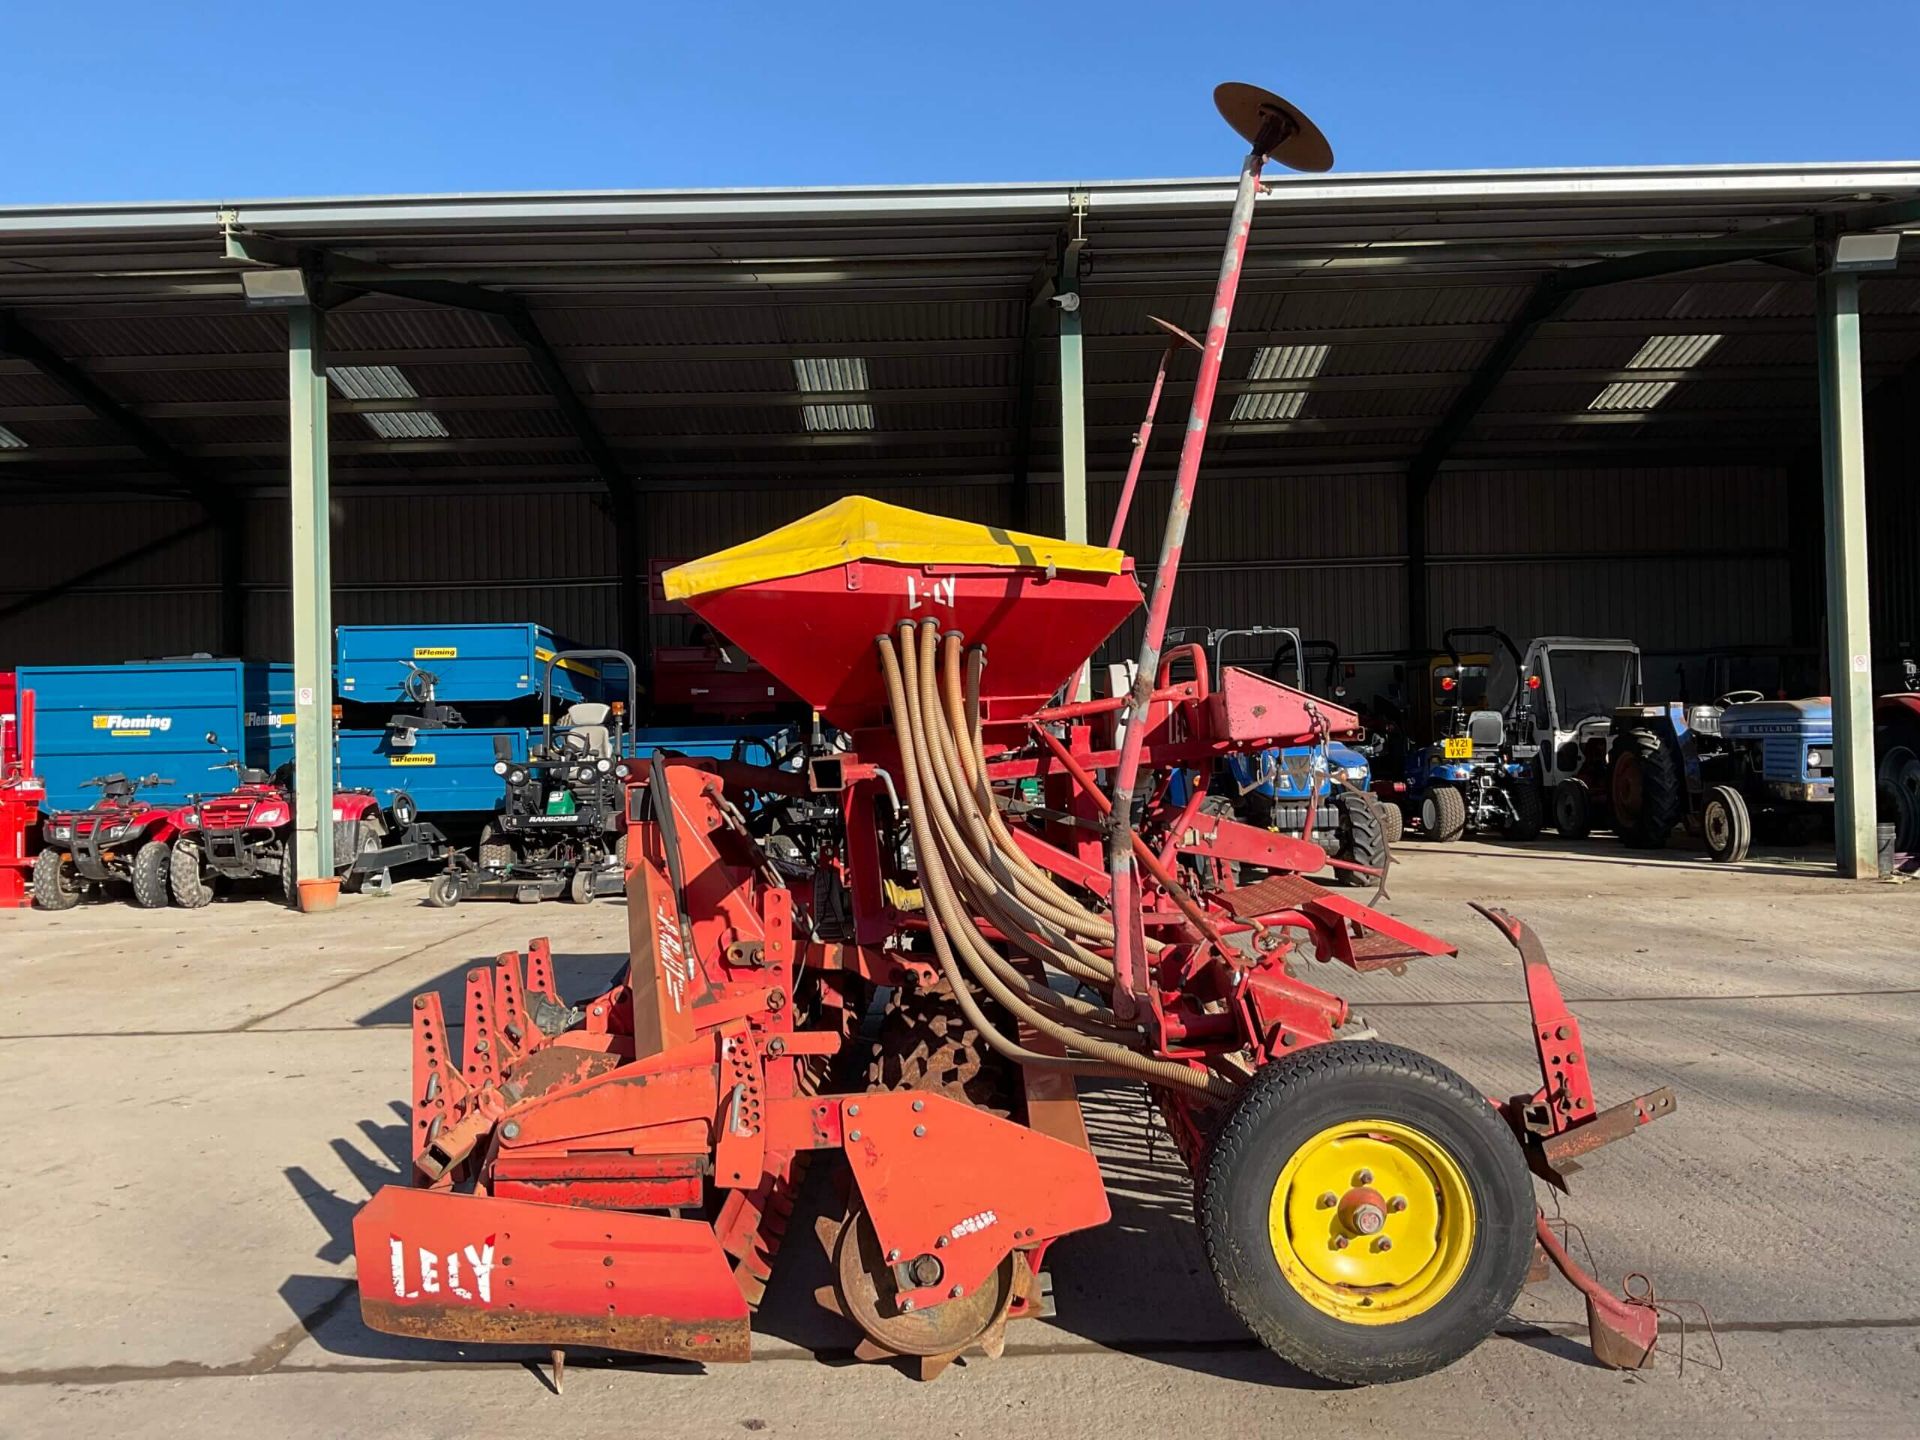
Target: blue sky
{"x":126,"y":101}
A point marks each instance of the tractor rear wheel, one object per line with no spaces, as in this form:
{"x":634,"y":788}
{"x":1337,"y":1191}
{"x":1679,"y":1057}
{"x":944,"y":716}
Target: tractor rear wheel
{"x":186,"y":878}
{"x":150,"y":875}
{"x":1726,"y":826}
{"x":54,"y":884}
{"x":1529,"y":812}
{"x":1649,"y":793}
{"x":1366,"y":1213}
{"x":1363,"y":837}
{"x":1443,"y":814}
{"x":1899,"y":771}
{"x":1573,"y":809}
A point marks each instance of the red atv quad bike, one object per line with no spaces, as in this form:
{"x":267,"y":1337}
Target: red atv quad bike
{"x":121,"y":841}
{"x":247,"y":834}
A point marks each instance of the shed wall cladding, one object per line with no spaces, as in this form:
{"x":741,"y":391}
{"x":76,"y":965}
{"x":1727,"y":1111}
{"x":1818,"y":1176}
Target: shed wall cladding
{"x":1683,"y":560}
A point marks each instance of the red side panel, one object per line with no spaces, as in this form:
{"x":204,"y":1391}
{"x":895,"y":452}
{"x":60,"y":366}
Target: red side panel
{"x":440,"y":1266}
{"x":950,"y":1180}
{"x":1245,"y":706}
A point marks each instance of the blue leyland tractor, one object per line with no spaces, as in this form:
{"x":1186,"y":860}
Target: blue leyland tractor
{"x":1284,"y":789}
{"x":1475,"y":773}
{"x":1723,"y":770}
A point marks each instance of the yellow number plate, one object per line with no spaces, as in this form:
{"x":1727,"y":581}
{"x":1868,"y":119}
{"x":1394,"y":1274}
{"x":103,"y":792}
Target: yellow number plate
{"x":1461,"y":749}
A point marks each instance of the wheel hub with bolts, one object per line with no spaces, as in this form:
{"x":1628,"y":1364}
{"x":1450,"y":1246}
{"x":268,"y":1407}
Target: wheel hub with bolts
{"x":1372,"y":1221}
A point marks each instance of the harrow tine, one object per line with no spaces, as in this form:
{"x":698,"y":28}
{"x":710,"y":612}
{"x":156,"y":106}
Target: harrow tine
{"x":1622,"y":1332}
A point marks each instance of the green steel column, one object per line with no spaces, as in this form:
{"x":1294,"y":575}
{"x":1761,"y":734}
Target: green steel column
{"x":312,"y":594}
{"x":1073,"y":402}
{"x":1073,"y":421}
{"x":1849,"y":641}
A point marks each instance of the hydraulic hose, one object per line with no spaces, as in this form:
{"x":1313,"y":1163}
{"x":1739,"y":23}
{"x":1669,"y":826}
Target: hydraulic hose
{"x":956,"y":940}
{"x":974,"y":883}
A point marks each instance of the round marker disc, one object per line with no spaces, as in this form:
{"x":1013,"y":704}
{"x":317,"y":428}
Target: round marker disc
{"x":1280,"y":131}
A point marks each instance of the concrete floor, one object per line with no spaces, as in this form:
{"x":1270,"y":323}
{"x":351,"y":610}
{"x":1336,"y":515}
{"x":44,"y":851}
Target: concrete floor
{"x":197,"y":1103}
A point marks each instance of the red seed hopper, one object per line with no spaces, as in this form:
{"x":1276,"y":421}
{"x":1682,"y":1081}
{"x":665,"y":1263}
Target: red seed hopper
{"x":807,"y":600}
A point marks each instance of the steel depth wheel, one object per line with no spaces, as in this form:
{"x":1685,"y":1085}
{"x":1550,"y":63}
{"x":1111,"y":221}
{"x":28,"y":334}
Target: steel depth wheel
{"x":1367,"y":1214}
{"x":864,"y":1289}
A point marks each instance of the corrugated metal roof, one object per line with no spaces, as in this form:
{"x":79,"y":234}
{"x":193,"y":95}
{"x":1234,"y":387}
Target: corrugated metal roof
{"x":678,"y":316}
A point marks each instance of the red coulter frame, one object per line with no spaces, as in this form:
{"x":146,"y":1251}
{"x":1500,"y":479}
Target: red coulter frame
{"x":622,"y":1172}
{"x":697,"y":1081}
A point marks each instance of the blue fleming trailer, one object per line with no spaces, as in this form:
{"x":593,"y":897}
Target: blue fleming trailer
{"x":448,"y":773}
{"x":151,"y":717}
{"x":495,"y":665}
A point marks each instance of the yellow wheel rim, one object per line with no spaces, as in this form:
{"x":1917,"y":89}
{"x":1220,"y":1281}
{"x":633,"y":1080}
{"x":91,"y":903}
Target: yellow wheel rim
{"x":1371,"y":1221}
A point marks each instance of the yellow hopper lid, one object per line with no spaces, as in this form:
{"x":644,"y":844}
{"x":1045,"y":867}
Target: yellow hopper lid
{"x":858,"y":528}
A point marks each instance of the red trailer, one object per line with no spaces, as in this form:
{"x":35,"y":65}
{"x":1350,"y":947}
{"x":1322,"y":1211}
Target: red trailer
{"x":21,"y":793}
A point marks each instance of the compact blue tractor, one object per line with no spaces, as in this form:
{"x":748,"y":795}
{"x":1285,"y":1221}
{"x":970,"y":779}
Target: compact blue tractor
{"x":1722,"y":769}
{"x":1475,"y":774}
{"x":1282,"y":789}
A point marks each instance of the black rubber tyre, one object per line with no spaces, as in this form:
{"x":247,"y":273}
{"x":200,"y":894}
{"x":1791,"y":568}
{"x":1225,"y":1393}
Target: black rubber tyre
{"x":54,"y":885}
{"x":1899,"y":770}
{"x":1294,"y":1100}
{"x":1726,"y":825}
{"x":150,"y":875}
{"x":1649,"y":792}
{"x":366,"y":835}
{"x":580,"y":886}
{"x":1393,"y":821}
{"x":1363,"y":837}
{"x":443,"y":891}
{"x":493,"y":853}
{"x":186,"y":878}
{"x":1529,"y":810}
{"x":289,"y":882}
{"x":1443,"y":814}
{"x":1573,"y":809}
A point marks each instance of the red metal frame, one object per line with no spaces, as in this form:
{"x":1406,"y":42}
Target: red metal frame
{"x":697,"y":1080}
